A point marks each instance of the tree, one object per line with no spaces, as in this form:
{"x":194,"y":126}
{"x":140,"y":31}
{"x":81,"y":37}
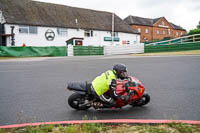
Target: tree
{"x":198,"y":26}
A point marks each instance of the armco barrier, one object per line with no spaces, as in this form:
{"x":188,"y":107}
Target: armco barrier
{"x":32,"y":51}
{"x":87,"y":50}
{"x":171,"y":48}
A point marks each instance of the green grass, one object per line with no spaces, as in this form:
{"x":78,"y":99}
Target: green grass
{"x":107,"y":128}
{"x":3,"y":58}
{"x":2,"y":131}
{"x":189,"y":52}
{"x":184,"y":128}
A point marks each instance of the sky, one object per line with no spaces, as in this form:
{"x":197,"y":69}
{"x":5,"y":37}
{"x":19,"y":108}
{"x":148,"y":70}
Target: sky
{"x":185,"y":13}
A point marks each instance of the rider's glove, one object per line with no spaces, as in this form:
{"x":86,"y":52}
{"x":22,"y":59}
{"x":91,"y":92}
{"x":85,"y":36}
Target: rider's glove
{"x":113,"y":84}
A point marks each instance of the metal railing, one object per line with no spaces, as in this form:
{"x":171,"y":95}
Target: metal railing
{"x":180,"y":40}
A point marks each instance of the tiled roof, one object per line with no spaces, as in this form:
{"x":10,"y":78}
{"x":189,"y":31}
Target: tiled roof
{"x":28,"y":12}
{"x":146,"y":21}
{"x":138,"y":20}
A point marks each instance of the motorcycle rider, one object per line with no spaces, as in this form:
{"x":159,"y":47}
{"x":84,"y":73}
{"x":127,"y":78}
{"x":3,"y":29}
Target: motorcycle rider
{"x":107,"y":81}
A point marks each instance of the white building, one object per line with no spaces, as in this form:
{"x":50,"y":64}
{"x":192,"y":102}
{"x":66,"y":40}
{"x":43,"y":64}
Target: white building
{"x":43,"y":24}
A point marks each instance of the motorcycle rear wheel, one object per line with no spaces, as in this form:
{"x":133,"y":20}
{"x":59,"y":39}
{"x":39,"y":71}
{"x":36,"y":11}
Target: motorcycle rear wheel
{"x":78,"y":102}
{"x":143,"y":101}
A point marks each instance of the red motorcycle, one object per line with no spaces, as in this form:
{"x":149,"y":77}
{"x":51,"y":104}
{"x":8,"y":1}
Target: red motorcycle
{"x":130,"y":88}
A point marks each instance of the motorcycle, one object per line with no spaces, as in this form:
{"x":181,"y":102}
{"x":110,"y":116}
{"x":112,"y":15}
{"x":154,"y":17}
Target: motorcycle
{"x":131,"y":87}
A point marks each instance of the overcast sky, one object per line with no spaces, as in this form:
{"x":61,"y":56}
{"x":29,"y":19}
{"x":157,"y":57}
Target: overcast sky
{"x":185,"y":13}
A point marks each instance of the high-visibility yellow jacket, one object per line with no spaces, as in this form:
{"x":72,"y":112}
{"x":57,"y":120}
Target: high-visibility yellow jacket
{"x":102,"y":82}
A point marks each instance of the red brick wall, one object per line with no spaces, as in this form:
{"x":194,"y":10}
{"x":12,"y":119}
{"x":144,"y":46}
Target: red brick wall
{"x":162,"y":26}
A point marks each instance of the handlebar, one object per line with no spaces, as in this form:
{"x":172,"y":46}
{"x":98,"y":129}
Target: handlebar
{"x":129,"y":84}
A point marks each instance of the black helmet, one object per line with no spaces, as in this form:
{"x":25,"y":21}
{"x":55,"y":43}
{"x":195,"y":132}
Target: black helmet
{"x":120,"y":70}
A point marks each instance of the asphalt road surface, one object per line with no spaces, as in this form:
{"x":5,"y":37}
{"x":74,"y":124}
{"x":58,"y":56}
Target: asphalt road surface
{"x":34,"y":90}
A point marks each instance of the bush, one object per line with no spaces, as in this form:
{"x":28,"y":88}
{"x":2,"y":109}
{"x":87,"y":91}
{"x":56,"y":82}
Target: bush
{"x":195,"y":31}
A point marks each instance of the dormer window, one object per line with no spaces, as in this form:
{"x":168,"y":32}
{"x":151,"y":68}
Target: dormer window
{"x":88,"y":33}
{"x":162,"y":24}
{"x":115,"y":34}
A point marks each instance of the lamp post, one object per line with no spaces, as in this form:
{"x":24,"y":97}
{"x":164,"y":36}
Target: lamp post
{"x":113,"y":26}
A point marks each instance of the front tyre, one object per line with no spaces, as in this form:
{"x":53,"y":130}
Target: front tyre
{"x":78,"y":102}
{"x":143,"y":101}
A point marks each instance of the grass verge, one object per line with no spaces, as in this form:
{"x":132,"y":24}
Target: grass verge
{"x":190,"y":52}
{"x":4,"y":58}
{"x":108,"y":128}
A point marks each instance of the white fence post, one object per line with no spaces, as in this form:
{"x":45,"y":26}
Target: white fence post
{"x":70,"y":50}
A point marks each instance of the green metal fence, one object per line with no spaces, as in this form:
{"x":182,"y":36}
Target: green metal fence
{"x":32,"y":51}
{"x":184,"y":39}
{"x":171,"y":48}
{"x":88,"y":50}
{"x":85,"y":50}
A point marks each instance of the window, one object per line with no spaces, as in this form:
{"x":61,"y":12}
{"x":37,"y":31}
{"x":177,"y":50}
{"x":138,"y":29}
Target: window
{"x":32,"y":29}
{"x":169,"y":31}
{"x":139,"y":30}
{"x":157,"y":32}
{"x":181,"y":33}
{"x":23,"y":29}
{"x":163,"y":32}
{"x":62,"y":31}
{"x":88,"y":33}
{"x":28,"y":29}
{"x":115,"y":34}
{"x":127,"y":42}
{"x":176,"y":33}
{"x":146,"y":30}
{"x":163,"y":23}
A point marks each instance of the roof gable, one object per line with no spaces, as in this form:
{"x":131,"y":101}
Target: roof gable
{"x":151,"y":22}
{"x":27,"y":12}
{"x":162,"y":22}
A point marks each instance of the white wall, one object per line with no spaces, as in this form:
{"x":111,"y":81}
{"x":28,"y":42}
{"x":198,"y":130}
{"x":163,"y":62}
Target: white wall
{"x":35,"y":39}
{"x":40,"y":40}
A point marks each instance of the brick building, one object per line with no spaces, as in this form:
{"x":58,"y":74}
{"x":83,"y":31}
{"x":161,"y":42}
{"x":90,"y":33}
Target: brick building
{"x":154,"y":29}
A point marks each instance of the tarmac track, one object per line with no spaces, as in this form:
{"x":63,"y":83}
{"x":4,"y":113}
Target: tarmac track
{"x":34,"y":90}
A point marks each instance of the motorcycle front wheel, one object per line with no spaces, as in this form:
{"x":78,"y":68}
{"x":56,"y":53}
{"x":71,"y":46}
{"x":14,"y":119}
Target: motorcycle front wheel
{"x":143,"y":101}
{"x":78,"y":102}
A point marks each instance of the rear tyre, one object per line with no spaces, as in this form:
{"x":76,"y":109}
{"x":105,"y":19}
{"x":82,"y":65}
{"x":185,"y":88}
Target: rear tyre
{"x":143,"y":101}
{"x":78,"y":102}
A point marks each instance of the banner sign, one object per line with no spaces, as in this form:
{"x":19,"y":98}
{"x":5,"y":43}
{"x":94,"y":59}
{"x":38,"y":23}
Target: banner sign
{"x":116,"y":39}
